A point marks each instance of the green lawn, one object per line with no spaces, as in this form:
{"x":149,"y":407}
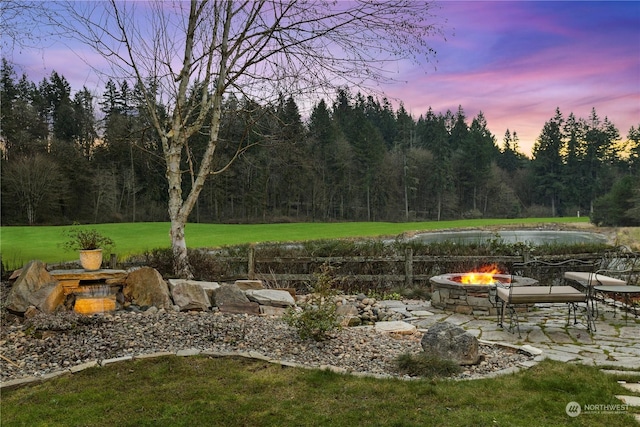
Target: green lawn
{"x":200,"y":391}
{"x":19,"y":245}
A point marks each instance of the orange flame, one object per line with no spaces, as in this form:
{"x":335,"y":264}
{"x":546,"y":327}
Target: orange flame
{"x":484,"y":276}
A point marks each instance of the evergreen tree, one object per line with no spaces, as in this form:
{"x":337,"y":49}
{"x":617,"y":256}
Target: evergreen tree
{"x":510,"y":158}
{"x":433,"y":135}
{"x":24,"y":129}
{"x":618,"y":208}
{"x":480,"y":152}
{"x":634,"y":150}
{"x":599,"y":137}
{"x":324,"y":151}
{"x":85,"y":121}
{"x":56,"y":105}
{"x":404,"y":142}
{"x":574,"y":158}
{"x":547,"y":165}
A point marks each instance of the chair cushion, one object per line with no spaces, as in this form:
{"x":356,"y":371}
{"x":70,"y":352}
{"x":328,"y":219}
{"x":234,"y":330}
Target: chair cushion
{"x":541,"y":294}
{"x":592,"y":279}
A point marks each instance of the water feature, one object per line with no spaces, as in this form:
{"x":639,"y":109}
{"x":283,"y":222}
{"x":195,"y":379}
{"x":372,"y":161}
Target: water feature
{"x":93,"y":291}
{"x":93,"y":298}
{"x":531,"y":237}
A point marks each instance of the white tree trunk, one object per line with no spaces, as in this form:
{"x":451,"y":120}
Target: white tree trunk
{"x":181,"y":266}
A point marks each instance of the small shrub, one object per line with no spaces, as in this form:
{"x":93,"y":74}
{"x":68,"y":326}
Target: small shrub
{"x":160,"y":258}
{"x":86,"y":239}
{"x":383,"y":296}
{"x":472,"y":214}
{"x":317,"y":317}
{"x":417,"y":292}
{"x":426,"y":365}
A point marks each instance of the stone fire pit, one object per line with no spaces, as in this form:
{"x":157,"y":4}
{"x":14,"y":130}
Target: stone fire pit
{"x":449,"y":293}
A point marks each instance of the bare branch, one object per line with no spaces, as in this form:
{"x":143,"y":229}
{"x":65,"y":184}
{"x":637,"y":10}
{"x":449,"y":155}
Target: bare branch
{"x":196,"y":54}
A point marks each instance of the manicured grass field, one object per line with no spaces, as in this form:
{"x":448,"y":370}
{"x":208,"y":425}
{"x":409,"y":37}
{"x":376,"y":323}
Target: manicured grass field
{"x":19,"y":245}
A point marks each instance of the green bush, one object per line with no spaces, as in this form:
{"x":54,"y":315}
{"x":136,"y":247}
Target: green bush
{"x":426,"y":365}
{"x":205,"y":266}
{"x":317,"y":316}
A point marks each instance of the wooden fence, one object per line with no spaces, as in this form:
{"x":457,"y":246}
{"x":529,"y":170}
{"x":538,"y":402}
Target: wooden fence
{"x":404,"y":270}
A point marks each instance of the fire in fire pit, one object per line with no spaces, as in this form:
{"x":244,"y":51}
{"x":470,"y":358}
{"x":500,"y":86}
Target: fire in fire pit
{"x":468,"y":293}
{"x":487,"y":275}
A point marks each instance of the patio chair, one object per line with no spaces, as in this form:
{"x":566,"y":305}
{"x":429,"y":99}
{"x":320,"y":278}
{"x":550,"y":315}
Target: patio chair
{"x":617,"y":277}
{"x":550,"y":288}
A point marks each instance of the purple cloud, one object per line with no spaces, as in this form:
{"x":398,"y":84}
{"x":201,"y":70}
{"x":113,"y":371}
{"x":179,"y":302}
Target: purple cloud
{"x":518,"y":61}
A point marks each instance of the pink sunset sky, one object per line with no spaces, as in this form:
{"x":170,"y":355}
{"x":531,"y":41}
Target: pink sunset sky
{"x":516,"y":61}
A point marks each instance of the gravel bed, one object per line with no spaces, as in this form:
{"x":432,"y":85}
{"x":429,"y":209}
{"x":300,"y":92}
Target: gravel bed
{"x":48,"y":343}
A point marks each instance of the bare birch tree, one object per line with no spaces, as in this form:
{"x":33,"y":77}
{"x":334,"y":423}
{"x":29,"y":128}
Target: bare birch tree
{"x":256,"y":49}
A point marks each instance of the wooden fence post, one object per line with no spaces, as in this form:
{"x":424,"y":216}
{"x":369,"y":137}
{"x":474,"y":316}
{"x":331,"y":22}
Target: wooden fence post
{"x":251,"y":267}
{"x":408,"y":267}
{"x":113,"y":261}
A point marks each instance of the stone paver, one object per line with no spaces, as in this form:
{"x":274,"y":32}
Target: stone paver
{"x":629,"y":400}
{"x":630,"y":332}
{"x":561,"y":356}
{"x":421,"y":313}
{"x":559,"y":336}
{"x":537,"y":335}
{"x":500,"y":336}
{"x":605,"y":329}
{"x":580,"y":336}
{"x":424,"y":323}
{"x":634,"y":387}
{"x":459,"y":319}
{"x":615,"y":344}
{"x":396,"y":326}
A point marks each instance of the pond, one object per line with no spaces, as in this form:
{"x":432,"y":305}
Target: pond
{"x":531,"y":237}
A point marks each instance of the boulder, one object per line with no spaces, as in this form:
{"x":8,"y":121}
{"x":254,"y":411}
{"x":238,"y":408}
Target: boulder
{"x":267,"y":310}
{"x":396,"y":327}
{"x":271,"y":297}
{"x":15,"y":274}
{"x":348,"y":315}
{"x":449,"y":341}
{"x":241,"y":308}
{"x":248,"y":284}
{"x":346,"y":310}
{"x":230,"y":299}
{"x":190,"y":296}
{"x":35,"y":287}
{"x":229,"y":293}
{"x":146,"y":287}
{"x":209,"y":287}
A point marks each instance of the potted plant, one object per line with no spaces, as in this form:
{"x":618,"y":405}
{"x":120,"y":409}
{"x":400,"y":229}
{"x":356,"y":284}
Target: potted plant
{"x":90,"y":243}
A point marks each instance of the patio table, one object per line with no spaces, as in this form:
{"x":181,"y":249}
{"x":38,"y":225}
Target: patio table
{"x":625,"y":291}
{"x":589,"y":281}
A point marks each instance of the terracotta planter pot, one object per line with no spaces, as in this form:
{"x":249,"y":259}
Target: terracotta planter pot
{"x":91,"y":260}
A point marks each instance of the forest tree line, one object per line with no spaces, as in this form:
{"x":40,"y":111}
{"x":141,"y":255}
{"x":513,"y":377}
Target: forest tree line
{"x":74,"y":157}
